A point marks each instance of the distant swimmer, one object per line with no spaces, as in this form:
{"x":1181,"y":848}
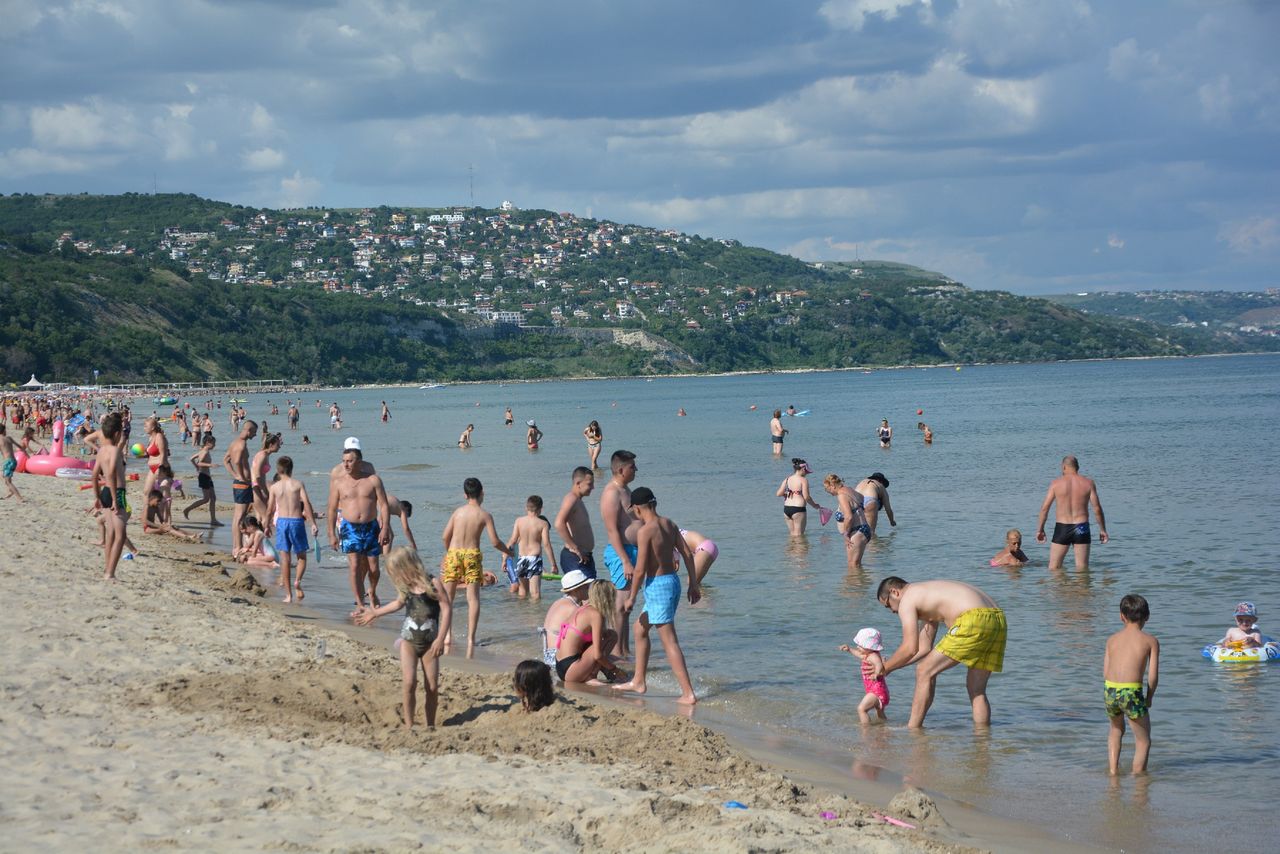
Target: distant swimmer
{"x":791,"y":409}
{"x":386,"y":413}
{"x":975,"y":637}
{"x":464,"y":441}
{"x":681,"y":412}
{"x":928,"y":435}
{"x":507,"y":418}
{"x":777,"y":432}
{"x":1073,"y":494}
{"x":884,"y":432}
{"x":534,"y":435}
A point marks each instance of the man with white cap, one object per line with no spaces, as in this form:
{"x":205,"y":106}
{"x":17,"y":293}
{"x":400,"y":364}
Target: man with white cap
{"x":359,"y":513}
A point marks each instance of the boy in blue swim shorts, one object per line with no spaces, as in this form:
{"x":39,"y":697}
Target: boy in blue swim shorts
{"x":658,"y":540}
{"x":290,"y":507}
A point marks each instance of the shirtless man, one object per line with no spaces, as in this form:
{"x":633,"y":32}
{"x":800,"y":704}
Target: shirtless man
{"x":288,"y":499}
{"x":1073,"y":494}
{"x":462,"y":562}
{"x":620,"y":528}
{"x":403,"y":510}
{"x":533,"y":536}
{"x":574,"y":526}
{"x":108,"y":490}
{"x":975,"y":638}
{"x":236,"y":462}
{"x":777,"y":432}
{"x":658,"y":540}
{"x":293,"y":415}
{"x":365,"y":525}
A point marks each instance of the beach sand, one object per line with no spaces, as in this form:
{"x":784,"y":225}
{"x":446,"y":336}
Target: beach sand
{"x":182,"y":708}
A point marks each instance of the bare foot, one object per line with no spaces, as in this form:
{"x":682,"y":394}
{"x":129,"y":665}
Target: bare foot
{"x":297,"y":591}
{"x":287,"y":598}
{"x":374,"y":601}
{"x":631,"y":686}
{"x":687,"y":700}
{"x":110,"y":577}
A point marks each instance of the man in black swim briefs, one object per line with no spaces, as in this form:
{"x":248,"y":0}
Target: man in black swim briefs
{"x":1074,"y":495}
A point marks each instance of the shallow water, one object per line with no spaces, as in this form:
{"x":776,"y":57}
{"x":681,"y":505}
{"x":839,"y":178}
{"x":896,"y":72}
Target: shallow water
{"x":1187,"y":473}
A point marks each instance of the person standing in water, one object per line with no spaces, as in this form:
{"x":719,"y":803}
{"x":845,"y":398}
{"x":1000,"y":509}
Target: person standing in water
{"x":1074,"y":495}
{"x":777,"y":432}
{"x":534,"y":435}
{"x":594,"y":438}
{"x":885,"y":433}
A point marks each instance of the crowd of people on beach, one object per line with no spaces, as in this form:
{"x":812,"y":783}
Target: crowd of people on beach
{"x":595,"y":626}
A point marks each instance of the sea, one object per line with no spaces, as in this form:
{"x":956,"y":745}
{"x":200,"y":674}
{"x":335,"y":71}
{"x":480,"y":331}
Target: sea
{"x":1185,"y":456}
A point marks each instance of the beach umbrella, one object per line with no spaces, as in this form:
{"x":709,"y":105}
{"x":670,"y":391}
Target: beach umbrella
{"x":33,"y":383}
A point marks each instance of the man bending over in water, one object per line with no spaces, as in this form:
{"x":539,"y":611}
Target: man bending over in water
{"x":975,"y":638}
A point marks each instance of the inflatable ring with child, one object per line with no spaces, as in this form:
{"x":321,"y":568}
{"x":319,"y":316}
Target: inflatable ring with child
{"x":1238,"y":653}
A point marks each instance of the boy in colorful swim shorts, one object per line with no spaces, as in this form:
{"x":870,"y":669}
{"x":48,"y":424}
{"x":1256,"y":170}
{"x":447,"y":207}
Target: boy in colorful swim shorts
{"x":1130,"y":651}
{"x":975,"y":638}
{"x":658,"y":540}
{"x":532,"y":533}
{"x":10,"y":462}
{"x":462,"y":563}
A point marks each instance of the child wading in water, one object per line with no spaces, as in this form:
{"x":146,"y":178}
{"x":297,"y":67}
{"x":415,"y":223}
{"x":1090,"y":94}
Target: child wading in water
{"x":532,"y":683}
{"x":1130,"y":651}
{"x":867,"y":646}
{"x":427,"y":619}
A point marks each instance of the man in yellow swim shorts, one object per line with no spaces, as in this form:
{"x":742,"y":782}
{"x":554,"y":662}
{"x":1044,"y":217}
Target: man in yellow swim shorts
{"x":975,"y":637}
{"x":462,"y":563}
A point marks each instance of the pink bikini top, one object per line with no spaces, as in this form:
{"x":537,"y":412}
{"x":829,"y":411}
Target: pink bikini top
{"x":568,"y":624}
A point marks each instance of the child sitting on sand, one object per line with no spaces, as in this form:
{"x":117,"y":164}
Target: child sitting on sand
{"x":255,"y":551}
{"x":1244,"y":634}
{"x":426,"y":624}
{"x":1130,"y":651}
{"x":1012,"y":553}
{"x":154,"y":523}
{"x":532,"y":682}
{"x":866,"y":646}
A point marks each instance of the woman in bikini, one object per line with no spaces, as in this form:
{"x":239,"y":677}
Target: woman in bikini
{"x":584,"y":641}
{"x":157,"y":451}
{"x":594,"y":437}
{"x":850,"y":518}
{"x":705,"y":552}
{"x":794,"y":493}
{"x":258,"y":469}
{"x":875,"y":495}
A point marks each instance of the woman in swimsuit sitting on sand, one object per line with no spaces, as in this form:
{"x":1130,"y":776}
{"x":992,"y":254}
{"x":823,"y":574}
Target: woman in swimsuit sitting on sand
{"x":584,"y":641}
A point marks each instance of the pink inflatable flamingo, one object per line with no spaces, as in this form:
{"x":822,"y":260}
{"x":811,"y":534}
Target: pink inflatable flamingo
{"x":48,"y":464}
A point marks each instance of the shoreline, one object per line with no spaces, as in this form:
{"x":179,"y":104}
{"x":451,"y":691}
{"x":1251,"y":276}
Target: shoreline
{"x":173,"y":708}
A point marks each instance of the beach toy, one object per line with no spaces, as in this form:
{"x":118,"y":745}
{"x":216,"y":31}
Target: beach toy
{"x":74,"y":473}
{"x":85,"y":486}
{"x":317,"y":549}
{"x":919,"y":412}
{"x":824,"y":515}
{"x":133,"y":475}
{"x":166,"y":401}
{"x":48,"y":464}
{"x":1235,"y":653}
{"x":894,"y":821}
{"x":734,"y":805}
{"x":137,"y":450}
{"x":828,"y":815}
{"x":753,"y":407}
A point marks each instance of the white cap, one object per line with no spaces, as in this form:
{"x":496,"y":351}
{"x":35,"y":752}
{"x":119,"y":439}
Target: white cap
{"x":574,"y":578}
{"x":531,"y":423}
{"x":868,"y":639}
{"x":352,"y":444}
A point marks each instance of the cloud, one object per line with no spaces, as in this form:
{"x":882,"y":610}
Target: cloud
{"x":19,"y":163}
{"x":298,"y":191}
{"x":1115,"y":241}
{"x":1252,"y":236}
{"x":263,"y":159}
{"x":86,"y":126}
{"x":853,"y":14}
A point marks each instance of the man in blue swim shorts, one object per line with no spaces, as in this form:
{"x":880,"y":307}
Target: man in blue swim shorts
{"x":620,"y":527}
{"x":658,"y":540}
{"x":359,"y":513}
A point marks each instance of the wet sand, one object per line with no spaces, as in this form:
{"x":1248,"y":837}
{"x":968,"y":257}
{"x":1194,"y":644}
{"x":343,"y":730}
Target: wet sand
{"x":182,"y":707}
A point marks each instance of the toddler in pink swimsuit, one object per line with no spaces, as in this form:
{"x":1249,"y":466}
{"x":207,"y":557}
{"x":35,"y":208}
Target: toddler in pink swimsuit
{"x":866,"y":647}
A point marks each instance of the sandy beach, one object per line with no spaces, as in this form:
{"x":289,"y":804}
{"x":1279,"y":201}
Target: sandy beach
{"x":182,"y":708}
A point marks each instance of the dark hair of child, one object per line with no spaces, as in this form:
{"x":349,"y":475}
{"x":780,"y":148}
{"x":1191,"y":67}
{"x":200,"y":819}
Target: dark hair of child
{"x":532,"y":682}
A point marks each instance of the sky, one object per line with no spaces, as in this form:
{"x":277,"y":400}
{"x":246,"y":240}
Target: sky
{"x":1035,"y":147}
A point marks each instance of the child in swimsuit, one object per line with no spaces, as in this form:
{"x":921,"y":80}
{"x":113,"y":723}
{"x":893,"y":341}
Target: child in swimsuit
{"x":1012,"y":553}
{"x":867,"y":646}
{"x":532,"y":684}
{"x":1244,"y":634}
{"x":428,"y":616}
{"x":254,"y":552}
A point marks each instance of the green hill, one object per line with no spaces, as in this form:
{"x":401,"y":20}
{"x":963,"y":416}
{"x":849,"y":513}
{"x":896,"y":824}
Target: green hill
{"x":175,"y":287}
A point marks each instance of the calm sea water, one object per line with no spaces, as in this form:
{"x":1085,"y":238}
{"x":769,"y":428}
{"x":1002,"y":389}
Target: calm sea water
{"x":1186,"y":464}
